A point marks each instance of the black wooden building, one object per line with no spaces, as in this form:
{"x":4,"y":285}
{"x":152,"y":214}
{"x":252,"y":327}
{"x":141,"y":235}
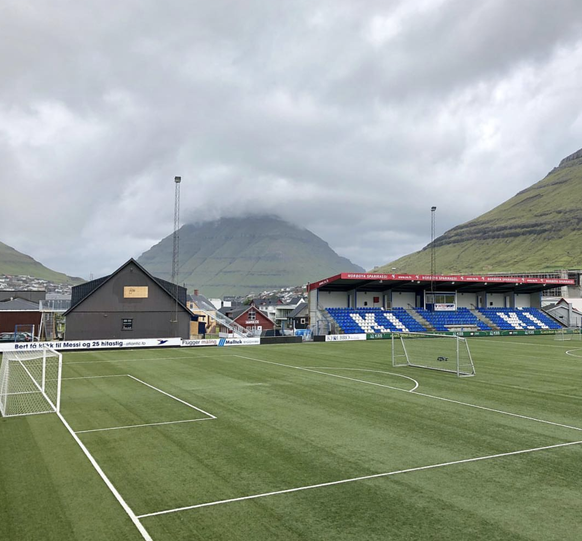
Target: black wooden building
{"x":130,"y":303}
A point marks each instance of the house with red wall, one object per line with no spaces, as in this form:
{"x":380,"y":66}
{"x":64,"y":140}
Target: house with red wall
{"x":19,"y":312}
{"x":249,"y":317}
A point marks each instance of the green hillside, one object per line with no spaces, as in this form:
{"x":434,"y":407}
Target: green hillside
{"x":12,"y":263}
{"x":237,"y":256}
{"x":537,"y":230}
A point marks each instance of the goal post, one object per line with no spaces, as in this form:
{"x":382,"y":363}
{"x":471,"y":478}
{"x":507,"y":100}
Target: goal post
{"x":30,"y":382}
{"x":442,"y":352}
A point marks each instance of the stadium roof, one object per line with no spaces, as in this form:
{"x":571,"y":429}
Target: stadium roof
{"x":412,"y":282}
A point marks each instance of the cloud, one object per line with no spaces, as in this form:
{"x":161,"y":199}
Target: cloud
{"x":351,"y":119}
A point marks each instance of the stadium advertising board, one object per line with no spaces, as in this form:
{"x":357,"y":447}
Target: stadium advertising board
{"x":92,"y":344}
{"x":536,"y":332}
{"x":201,"y":342}
{"x":222,"y":342}
{"x":71,"y":345}
{"x":239,"y":341}
{"x":344,"y":337}
{"x":457,"y":278}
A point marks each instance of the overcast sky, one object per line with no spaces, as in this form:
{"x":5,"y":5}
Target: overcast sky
{"x":348,"y":117}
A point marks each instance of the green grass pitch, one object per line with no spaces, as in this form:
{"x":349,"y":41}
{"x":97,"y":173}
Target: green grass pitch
{"x":302,"y":442}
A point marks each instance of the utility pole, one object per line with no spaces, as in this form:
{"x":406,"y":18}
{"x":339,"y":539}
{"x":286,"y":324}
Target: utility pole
{"x":176,"y":247}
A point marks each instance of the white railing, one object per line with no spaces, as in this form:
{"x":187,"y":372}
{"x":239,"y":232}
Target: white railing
{"x":225,"y":321}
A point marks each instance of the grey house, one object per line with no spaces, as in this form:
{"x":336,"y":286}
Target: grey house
{"x":567,"y":311}
{"x":299,"y":318}
{"x":130,"y":303}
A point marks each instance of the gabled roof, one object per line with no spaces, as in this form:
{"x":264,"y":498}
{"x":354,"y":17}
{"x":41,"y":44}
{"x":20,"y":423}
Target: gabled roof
{"x":298,"y":310}
{"x":202,"y":303}
{"x":575,"y":303}
{"x":18,"y":305}
{"x":81,"y":292}
{"x":266,"y":302}
{"x":240,"y":310}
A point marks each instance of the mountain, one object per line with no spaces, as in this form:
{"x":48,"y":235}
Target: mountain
{"x":539,"y":229}
{"x":237,"y":256}
{"x":14,"y":263}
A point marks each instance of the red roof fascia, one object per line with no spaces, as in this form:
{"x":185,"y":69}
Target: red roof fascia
{"x":441,"y":278}
{"x":317,"y":285}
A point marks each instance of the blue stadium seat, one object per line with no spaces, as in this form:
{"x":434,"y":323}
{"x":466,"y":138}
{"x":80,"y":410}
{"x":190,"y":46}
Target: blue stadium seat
{"x":374,"y":320}
{"x":441,"y":320}
{"x":512,"y":319}
{"x":377,"y":320}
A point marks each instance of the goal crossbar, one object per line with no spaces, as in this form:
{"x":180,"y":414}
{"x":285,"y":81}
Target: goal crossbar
{"x":441,"y":352}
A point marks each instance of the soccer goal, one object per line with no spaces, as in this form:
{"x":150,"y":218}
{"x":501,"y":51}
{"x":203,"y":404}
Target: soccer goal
{"x":447,"y":353}
{"x":564,"y":334}
{"x":30,"y":382}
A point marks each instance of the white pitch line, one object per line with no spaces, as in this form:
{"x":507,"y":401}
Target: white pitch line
{"x":97,"y":377}
{"x":533,"y":344}
{"x":416,"y":384}
{"x":148,"y":424}
{"x":424,"y":394}
{"x":138,"y":360}
{"x":172,"y":396}
{"x":362,"y":478}
{"x":571,"y":354}
{"x":499,"y":411}
{"x":144,"y":533}
{"x":325,"y":373}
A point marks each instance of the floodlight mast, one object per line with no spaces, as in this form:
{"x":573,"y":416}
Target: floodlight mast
{"x":176,"y":246}
{"x":432,"y":253}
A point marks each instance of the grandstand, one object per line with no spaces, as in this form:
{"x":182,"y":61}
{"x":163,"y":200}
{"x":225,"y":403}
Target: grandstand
{"x":386,"y":303}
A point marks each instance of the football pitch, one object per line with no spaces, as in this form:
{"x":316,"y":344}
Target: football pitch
{"x":320,"y":441}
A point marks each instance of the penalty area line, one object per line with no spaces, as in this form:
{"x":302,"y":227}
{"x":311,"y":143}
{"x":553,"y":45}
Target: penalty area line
{"x":140,"y":527}
{"x":147,"y":424}
{"x":416,"y":384}
{"x":172,"y":396}
{"x":156,"y":359}
{"x":326,"y":374}
{"x":414,"y":392}
{"x":362,"y":478}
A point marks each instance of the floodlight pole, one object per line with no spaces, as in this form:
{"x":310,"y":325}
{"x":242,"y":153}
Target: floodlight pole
{"x":432,"y":253}
{"x":176,"y":247}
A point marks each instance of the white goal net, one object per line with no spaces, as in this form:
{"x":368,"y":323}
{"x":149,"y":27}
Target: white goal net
{"x":30,"y":382}
{"x":446,"y":353}
{"x":565,"y":334}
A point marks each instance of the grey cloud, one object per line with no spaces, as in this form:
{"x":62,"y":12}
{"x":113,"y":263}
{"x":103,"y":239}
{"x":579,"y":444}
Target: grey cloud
{"x":350,"y":118}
